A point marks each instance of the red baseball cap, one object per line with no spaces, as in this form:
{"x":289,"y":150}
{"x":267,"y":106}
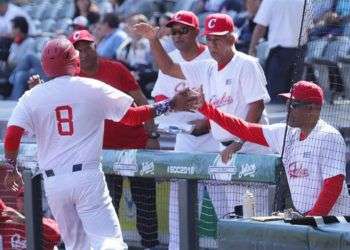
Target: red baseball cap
{"x":306,"y":92}
{"x":81,"y":35}
{"x":184,"y":17}
{"x":218,"y":24}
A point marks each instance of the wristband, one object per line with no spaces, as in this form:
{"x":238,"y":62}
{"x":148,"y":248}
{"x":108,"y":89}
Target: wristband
{"x":10,"y":163}
{"x":162,"y":107}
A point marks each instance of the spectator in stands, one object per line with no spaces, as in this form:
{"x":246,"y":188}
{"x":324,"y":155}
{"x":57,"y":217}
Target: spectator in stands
{"x":111,"y":36}
{"x":22,"y":59}
{"x":132,"y":7}
{"x":228,"y":6}
{"x":80,"y":23}
{"x":245,"y":24}
{"x":12,"y":227}
{"x":8,"y":11}
{"x":285,"y":61}
{"x":136,"y":54}
{"x":87,"y":9}
{"x":120,"y":136}
{"x":329,"y":18}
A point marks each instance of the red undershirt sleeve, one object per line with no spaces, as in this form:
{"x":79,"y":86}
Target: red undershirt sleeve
{"x":137,"y":115}
{"x":251,"y":132}
{"x":13,"y":138}
{"x":328,"y":196}
{"x":50,"y":231}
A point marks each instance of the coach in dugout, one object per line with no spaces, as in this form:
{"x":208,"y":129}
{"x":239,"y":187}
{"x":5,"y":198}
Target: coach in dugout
{"x":314,"y":151}
{"x":12,"y":227}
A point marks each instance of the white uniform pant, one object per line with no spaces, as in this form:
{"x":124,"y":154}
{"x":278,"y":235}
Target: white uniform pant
{"x":82,"y":207}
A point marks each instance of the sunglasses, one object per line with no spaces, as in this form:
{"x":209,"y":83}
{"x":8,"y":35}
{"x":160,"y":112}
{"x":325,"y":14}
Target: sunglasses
{"x":182,"y":31}
{"x":296,"y":104}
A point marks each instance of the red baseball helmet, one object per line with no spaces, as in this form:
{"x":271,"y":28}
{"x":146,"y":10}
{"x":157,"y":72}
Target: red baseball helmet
{"x":59,"y":58}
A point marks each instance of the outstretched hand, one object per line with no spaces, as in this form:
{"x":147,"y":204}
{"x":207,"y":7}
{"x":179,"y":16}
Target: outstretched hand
{"x":34,"y":80}
{"x":146,"y":30}
{"x":185,"y":100}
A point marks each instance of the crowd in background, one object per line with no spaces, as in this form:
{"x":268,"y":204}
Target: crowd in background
{"x":25,"y":26}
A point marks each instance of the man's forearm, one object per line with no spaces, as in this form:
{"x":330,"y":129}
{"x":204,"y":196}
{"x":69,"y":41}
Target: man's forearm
{"x":258,"y":33}
{"x":164,"y":62}
{"x":11,"y":144}
{"x":255,"y":111}
{"x":140,"y":99}
{"x":251,"y":132}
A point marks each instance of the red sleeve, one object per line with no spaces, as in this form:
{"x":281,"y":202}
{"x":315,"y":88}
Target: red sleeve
{"x":126,"y":81}
{"x":137,"y":115}
{"x":251,"y":132}
{"x":328,"y":196}
{"x":50,"y":231}
{"x":13,"y":138}
{"x":159,"y":98}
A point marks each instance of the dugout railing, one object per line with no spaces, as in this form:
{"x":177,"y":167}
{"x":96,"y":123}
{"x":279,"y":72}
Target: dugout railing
{"x":256,"y":172}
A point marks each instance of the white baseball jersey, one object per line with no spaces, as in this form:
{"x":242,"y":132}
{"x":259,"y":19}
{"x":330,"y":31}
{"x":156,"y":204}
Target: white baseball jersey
{"x":50,"y":111}
{"x":231,"y":89}
{"x":309,"y":162}
{"x":169,"y":86}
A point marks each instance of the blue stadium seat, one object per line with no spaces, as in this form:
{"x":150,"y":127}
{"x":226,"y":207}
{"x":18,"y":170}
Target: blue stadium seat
{"x":336,"y":48}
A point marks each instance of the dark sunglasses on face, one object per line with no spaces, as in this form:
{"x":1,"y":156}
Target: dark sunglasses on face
{"x":182,"y":31}
{"x":297,"y":104}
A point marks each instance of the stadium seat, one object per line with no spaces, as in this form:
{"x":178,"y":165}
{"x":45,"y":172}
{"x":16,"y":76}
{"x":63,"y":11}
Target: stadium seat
{"x":336,"y":48}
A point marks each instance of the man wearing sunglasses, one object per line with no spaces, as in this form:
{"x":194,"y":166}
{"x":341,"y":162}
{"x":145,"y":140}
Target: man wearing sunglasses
{"x":314,"y":151}
{"x":234,"y":82}
{"x":184,"y":30}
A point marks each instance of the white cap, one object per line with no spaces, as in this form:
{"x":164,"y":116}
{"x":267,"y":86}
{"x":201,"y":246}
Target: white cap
{"x":80,"y":21}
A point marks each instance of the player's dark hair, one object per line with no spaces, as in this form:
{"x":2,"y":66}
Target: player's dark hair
{"x":111,"y":19}
{"x":21,"y":23}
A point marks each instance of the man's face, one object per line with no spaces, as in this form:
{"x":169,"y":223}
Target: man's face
{"x":3,"y":8}
{"x":219,"y":45}
{"x":87,"y":54}
{"x":183,"y":35}
{"x":300,"y":113}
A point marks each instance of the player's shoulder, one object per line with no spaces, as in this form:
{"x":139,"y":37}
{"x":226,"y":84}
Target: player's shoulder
{"x":328,"y":132}
{"x":245,"y":58}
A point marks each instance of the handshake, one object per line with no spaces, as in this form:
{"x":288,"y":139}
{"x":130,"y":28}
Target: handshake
{"x":187,"y":100}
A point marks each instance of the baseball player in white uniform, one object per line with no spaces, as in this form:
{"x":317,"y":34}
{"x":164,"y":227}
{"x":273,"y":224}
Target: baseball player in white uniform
{"x":314,"y":152}
{"x":232,"y":81}
{"x":184,"y":31}
{"x":66,"y":114}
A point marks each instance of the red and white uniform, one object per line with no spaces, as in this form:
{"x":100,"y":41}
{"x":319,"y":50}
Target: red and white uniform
{"x":231,"y":89}
{"x":67,"y":116}
{"x":309,"y":162}
{"x":315,"y":165}
{"x":168,"y":86}
{"x":117,"y":134}
{"x":13,"y":234}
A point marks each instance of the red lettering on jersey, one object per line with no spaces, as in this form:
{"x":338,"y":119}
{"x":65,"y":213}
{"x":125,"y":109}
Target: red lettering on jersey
{"x":221,"y":101}
{"x":296,"y":171}
{"x":64,"y":115}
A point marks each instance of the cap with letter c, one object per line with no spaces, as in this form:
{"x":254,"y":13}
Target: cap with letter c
{"x":184,"y":17}
{"x":218,"y":24}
